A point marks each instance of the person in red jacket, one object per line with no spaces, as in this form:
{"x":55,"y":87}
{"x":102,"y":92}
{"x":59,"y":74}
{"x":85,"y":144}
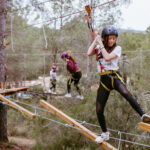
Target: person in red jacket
{"x":75,"y":72}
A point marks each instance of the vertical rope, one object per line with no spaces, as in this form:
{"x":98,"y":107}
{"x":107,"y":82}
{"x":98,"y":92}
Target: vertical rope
{"x":44,"y":33}
{"x":45,"y":37}
{"x":119,"y":133}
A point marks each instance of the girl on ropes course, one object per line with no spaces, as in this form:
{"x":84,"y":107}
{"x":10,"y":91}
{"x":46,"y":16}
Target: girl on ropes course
{"x":108,"y":54}
{"x":75,"y":72}
{"x":53,"y":79}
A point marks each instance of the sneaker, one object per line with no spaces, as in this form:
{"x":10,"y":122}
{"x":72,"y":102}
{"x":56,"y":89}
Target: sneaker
{"x":80,"y":97}
{"x":49,"y":91}
{"x":103,"y":137}
{"x":19,"y":95}
{"x":146,"y":118}
{"x":68,"y":95}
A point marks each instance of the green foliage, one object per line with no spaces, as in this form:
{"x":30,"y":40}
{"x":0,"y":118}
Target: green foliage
{"x":135,"y":41}
{"x":50,"y":135}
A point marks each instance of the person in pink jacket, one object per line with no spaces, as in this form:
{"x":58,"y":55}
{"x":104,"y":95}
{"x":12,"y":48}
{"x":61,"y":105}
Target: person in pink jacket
{"x":75,"y":72}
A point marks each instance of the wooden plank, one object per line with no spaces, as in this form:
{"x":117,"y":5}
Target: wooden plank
{"x":144,"y":126}
{"x":18,"y":107}
{"x":14,"y":90}
{"x":74,"y":123}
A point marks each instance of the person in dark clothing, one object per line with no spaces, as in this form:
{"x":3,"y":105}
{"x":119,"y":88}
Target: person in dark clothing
{"x":53,"y":76}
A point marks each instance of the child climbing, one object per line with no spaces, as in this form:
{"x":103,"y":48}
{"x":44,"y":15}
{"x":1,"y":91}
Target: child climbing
{"x":75,"y":73}
{"x":53,"y":79}
{"x":108,"y":55}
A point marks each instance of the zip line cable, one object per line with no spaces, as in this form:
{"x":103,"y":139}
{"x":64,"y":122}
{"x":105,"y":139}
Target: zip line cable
{"x":77,"y":12}
{"x":55,"y":18}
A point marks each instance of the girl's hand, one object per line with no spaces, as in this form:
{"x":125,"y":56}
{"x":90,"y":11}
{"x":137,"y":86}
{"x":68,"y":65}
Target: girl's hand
{"x":98,"y":38}
{"x":96,"y":32}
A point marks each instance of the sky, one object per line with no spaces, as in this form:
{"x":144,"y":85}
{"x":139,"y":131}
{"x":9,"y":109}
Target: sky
{"x":136,"y":15}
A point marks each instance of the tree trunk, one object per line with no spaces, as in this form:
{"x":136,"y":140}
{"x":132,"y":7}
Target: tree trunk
{"x":3,"y":123}
{"x":3,"y":108}
{"x":61,"y":19}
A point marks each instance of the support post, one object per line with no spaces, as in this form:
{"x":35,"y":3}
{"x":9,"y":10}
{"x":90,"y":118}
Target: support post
{"x":14,"y":90}
{"x":3,"y":108}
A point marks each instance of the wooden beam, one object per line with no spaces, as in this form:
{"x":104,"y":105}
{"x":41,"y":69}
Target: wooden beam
{"x":18,"y":107}
{"x":74,"y":123}
{"x":144,"y":126}
{"x":14,"y":90}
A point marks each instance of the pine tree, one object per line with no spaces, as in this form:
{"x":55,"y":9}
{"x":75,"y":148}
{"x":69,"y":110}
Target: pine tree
{"x":3,"y":108}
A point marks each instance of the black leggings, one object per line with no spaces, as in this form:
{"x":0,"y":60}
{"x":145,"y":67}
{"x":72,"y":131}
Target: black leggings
{"x":74,"y":78}
{"x":103,"y":94}
{"x":53,"y":84}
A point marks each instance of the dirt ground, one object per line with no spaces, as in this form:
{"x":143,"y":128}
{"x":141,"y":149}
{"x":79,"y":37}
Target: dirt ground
{"x":18,"y":143}
{"x":44,"y":82}
{"x":23,"y":141}
{"x":12,"y":146}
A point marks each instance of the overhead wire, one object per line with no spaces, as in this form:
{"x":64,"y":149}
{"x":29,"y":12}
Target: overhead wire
{"x":77,"y":12}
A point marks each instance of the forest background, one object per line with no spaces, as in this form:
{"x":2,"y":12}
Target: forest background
{"x":36,"y":41}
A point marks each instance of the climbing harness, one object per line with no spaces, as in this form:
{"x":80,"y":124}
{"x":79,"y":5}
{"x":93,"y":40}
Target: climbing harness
{"x":72,"y":78}
{"x":109,"y":72}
